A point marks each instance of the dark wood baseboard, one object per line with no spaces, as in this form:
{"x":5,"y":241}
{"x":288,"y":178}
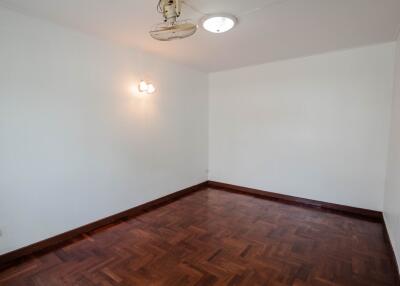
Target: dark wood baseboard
{"x":392,"y":253}
{"x":5,"y":259}
{"x":359,"y":212}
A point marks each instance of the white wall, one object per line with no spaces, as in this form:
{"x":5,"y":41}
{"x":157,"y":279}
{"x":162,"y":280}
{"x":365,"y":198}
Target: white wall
{"x":75,"y":144}
{"x":314,"y":127}
{"x":392,"y":194}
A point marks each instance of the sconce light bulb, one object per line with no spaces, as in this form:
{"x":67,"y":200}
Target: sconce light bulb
{"x":151,"y":88}
{"x":143,"y":87}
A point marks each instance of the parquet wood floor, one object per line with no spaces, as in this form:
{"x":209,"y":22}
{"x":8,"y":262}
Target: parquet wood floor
{"x":213,"y":237}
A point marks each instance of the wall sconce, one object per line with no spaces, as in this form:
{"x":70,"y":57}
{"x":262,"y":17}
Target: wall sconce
{"x":145,"y":87}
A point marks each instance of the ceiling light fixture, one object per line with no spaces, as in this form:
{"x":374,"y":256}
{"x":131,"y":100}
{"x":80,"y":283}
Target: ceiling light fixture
{"x":219,"y":23}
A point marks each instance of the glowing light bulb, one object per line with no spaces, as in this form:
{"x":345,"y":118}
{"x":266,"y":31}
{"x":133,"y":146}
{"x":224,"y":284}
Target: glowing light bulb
{"x":143,"y":87}
{"x":150,"y":88}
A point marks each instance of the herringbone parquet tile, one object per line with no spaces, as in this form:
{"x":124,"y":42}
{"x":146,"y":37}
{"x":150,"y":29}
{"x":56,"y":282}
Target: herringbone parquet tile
{"x":218,"y":238}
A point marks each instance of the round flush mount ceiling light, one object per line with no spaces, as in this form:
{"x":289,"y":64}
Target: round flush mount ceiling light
{"x":219,"y":23}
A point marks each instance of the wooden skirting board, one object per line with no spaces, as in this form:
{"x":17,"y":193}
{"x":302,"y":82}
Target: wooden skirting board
{"x":59,"y":239}
{"x":363,"y":213}
{"x":7,"y":258}
{"x":347,"y":210}
{"x":393,"y":254}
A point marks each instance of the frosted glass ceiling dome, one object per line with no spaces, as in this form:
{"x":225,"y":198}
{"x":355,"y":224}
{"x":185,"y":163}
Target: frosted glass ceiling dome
{"x":219,"y":23}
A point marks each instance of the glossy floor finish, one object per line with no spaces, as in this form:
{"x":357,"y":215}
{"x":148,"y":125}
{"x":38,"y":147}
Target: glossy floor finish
{"x":214,"y":237}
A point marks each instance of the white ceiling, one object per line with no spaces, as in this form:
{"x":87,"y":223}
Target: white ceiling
{"x":282,"y":29}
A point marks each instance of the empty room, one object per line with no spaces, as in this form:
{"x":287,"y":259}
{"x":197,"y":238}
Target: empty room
{"x":199,"y":142}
